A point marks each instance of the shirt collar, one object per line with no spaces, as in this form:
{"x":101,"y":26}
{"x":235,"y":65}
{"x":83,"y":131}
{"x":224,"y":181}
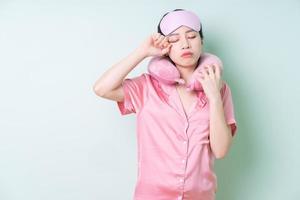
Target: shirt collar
{"x":168,"y":91}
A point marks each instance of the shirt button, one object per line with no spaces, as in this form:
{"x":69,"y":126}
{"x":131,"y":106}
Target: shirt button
{"x":181,"y":180}
{"x":183,"y":161}
{"x":184,"y":142}
{"x":179,"y":198}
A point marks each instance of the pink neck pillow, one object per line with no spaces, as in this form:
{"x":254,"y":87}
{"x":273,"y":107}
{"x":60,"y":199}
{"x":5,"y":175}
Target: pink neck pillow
{"x":162,"y":69}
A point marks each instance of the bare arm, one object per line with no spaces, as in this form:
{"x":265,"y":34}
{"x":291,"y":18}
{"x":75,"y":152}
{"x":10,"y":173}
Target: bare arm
{"x":220,"y":132}
{"x":109,"y":85}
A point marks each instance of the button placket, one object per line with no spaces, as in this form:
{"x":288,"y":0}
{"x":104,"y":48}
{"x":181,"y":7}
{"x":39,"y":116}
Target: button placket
{"x":183,"y":161}
{"x":183,"y":164}
{"x":185,"y":146}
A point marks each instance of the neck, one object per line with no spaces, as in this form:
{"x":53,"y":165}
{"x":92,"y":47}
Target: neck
{"x":186,"y":72}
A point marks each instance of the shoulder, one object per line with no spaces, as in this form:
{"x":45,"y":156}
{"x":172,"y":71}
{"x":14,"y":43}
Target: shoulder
{"x":143,"y":79}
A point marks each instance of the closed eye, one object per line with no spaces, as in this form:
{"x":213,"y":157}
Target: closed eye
{"x":172,"y":40}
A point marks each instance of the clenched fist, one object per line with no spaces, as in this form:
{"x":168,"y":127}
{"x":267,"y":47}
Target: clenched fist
{"x":155,"y":45}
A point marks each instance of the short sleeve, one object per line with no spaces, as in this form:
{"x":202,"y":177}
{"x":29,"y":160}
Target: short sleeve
{"x":135,"y":94}
{"x":229,"y":108}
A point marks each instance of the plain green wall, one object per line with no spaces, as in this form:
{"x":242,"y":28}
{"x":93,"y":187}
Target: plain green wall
{"x":59,"y":141}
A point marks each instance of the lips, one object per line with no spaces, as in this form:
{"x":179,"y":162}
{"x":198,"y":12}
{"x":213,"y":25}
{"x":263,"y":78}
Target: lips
{"x":186,"y":54}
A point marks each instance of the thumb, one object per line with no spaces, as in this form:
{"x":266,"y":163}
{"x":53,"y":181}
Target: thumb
{"x":166,"y":50}
{"x":199,"y":77}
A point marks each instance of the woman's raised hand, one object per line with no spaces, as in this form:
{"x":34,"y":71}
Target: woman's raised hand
{"x":155,"y":45}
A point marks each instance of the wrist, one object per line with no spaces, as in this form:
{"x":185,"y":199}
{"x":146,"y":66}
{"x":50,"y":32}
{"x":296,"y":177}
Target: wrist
{"x":140,"y":53}
{"x":215,"y":98}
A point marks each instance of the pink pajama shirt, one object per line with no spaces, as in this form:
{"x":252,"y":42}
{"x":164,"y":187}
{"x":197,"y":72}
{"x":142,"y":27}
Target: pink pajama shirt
{"x":175,"y":161}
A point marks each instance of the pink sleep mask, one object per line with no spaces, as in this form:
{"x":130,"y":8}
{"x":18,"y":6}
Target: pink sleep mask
{"x":175,"y":19}
{"x":162,"y":69}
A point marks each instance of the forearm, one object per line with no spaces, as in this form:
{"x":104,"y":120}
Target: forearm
{"x":220,"y":132}
{"x":113,"y":77}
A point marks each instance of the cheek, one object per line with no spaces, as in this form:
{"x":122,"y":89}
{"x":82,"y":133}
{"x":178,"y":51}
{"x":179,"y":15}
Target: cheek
{"x":197,"y":45}
{"x":198,"y":50}
{"x":174,"y":53}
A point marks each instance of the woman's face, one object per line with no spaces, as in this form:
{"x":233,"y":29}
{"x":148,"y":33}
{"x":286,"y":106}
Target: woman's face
{"x":185,"y":39}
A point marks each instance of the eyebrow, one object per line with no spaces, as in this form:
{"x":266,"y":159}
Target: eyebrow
{"x":191,"y":30}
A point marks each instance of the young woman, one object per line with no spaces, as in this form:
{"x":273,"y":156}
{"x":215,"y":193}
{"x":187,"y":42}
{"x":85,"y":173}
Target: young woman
{"x":179,"y":134}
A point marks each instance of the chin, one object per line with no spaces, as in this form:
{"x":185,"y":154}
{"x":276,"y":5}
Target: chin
{"x":188,"y":63}
{"x":184,"y":62}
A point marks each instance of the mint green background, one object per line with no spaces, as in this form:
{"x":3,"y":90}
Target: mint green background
{"x":60,"y":141}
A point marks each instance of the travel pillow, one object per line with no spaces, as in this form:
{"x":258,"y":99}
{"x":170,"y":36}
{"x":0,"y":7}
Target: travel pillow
{"x":162,"y":69}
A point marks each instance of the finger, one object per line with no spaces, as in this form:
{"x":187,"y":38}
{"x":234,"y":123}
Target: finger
{"x":200,"y":72}
{"x":218,"y":72}
{"x":204,"y":74}
{"x":163,"y":43}
{"x":205,"y":70}
{"x":167,"y":37}
{"x":166,"y":50}
{"x":155,"y":36}
{"x":160,"y":38}
{"x":210,"y":71}
{"x":199,"y":77}
{"x":166,"y":45}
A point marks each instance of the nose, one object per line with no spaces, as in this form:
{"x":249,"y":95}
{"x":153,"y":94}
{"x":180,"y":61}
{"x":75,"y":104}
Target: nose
{"x":185,"y":43}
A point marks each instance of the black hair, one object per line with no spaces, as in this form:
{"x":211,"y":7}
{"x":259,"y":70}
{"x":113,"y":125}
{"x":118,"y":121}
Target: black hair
{"x":159,"y":30}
